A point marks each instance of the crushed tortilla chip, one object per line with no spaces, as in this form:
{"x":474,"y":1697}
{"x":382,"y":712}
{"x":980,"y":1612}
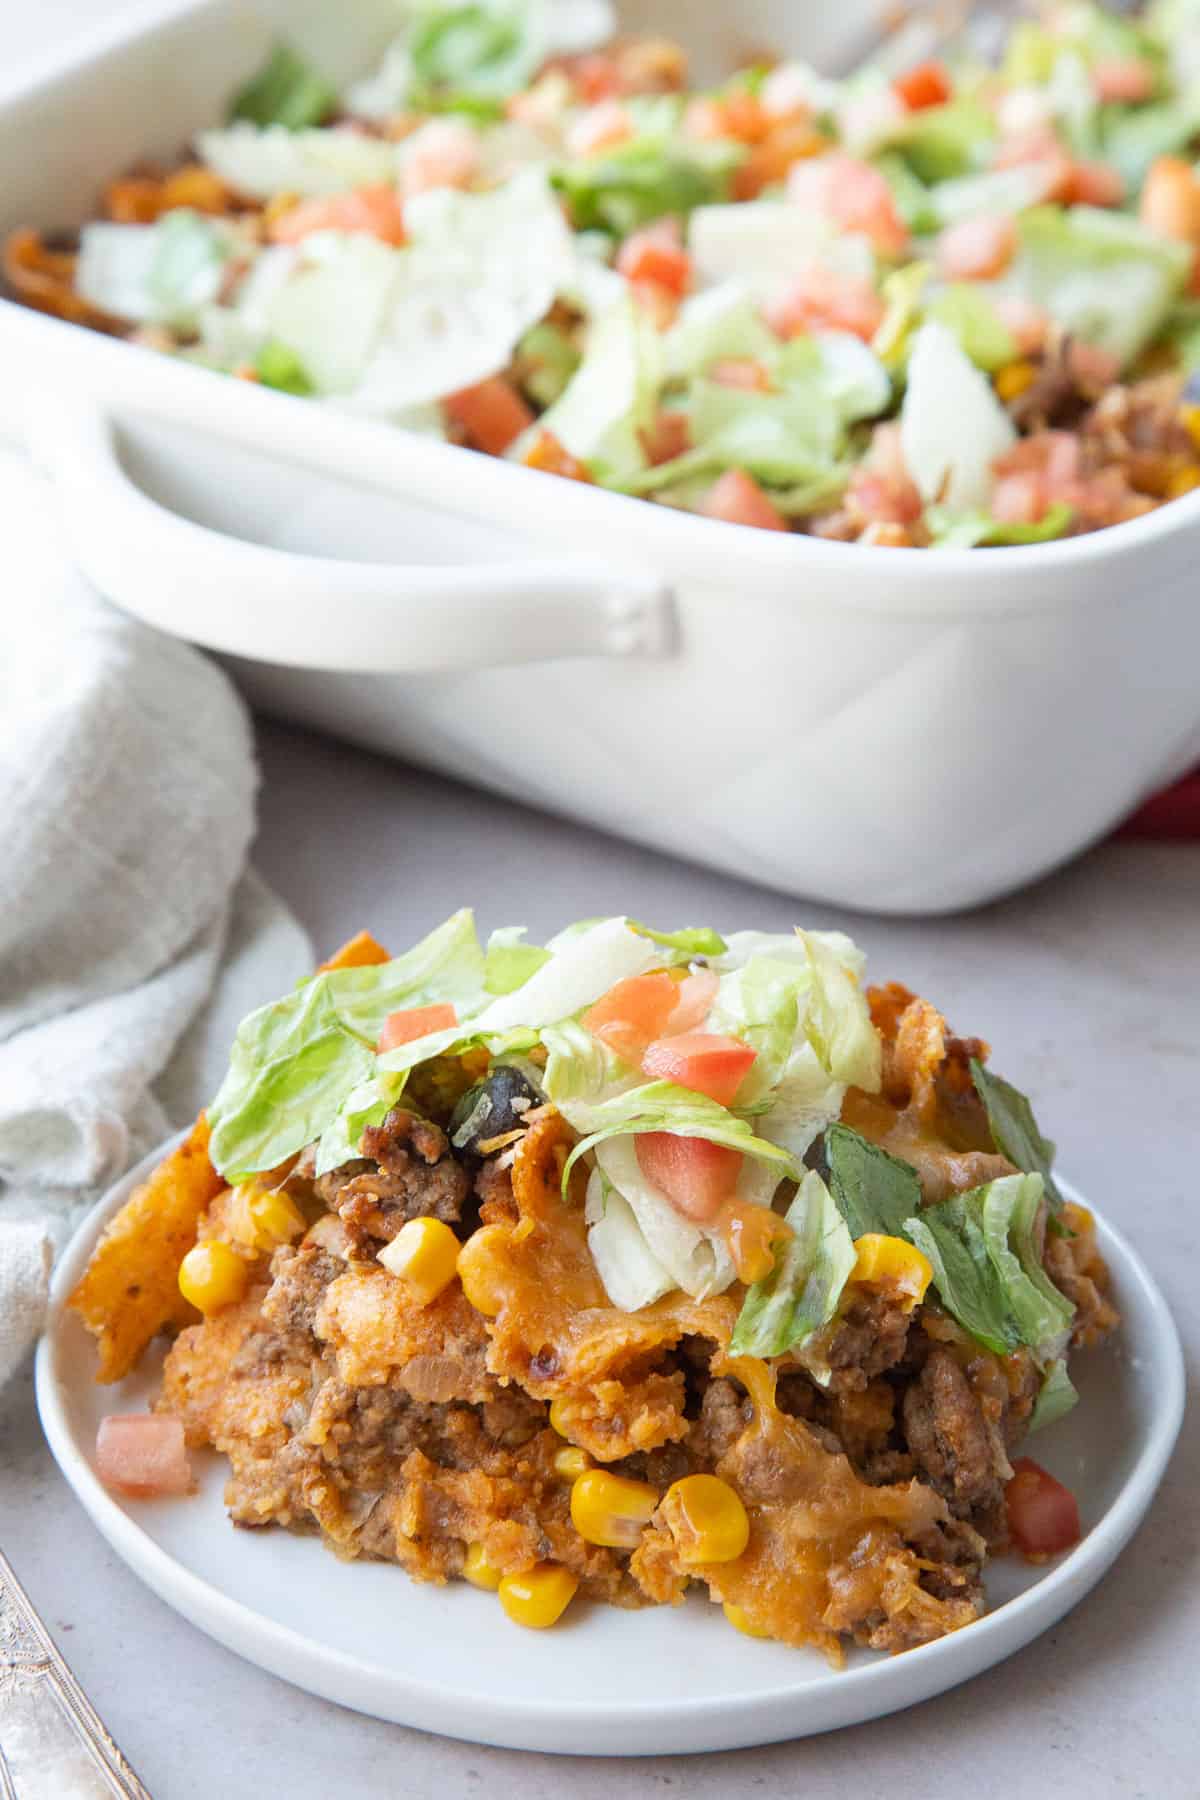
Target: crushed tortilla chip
{"x":130,"y":1289}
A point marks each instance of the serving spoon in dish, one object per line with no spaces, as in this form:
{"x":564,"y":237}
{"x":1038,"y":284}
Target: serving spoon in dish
{"x":53,"y":1743}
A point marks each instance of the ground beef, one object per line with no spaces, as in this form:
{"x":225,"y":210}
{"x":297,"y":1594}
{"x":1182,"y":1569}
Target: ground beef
{"x":949,"y":1437}
{"x":300,"y":1276}
{"x":725,"y":1413}
{"x":1095,"y":1316}
{"x":407,"y":1172}
{"x":869,"y":1338}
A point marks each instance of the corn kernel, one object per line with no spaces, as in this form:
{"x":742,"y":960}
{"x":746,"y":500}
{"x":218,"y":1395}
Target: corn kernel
{"x":538,"y":1597}
{"x":571,"y":1462}
{"x":558,"y":1418}
{"x":1182,"y":482}
{"x":610,"y":1510}
{"x":1013,"y":379}
{"x":424,"y":1254}
{"x":706,"y":1518}
{"x":262,"y":1218}
{"x":1190,"y":419}
{"x":893,"y":1263}
{"x":476,"y":1271}
{"x":479,"y":1570}
{"x":212,"y":1276}
{"x":740,"y":1621}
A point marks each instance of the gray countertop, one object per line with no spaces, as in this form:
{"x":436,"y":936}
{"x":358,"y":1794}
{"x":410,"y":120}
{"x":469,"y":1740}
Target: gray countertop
{"x":1088,"y":988}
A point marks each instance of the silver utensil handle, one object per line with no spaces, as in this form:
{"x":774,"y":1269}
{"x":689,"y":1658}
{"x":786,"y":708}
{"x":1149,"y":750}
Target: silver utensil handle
{"x":53,"y":1743}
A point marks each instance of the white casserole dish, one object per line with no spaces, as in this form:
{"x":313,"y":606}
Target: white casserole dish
{"x":903,"y":731}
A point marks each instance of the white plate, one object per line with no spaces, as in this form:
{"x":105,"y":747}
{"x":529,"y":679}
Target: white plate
{"x":604,"y":1681}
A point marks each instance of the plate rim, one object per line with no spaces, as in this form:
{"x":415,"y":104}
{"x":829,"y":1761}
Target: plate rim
{"x":581,"y":1726}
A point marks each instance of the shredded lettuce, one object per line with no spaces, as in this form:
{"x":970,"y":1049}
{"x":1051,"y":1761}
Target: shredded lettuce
{"x":964,"y":531}
{"x":952,"y":427}
{"x":1101,"y":275}
{"x":762,"y":243}
{"x":294,"y":1062}
{"x":838,"y":1022}
{"x":662,"y":1106}
{"x":903,"y":292}
{"x":1056,"y":1396}
{"x":693,"y":940}
{"x":286,"y":91}
{"x":1135,"y":137}
{"x":610,"y":400}
{"x":580,"y":969}
{"x":509,"y":961}
{"x":966,"y":310}
{"x":874,"y":1192}
{"x":262,"y":161}
{"x":165,"y":273}
{"x":940,"y":142}
{"x":721,"y":322}
{"x":1015,"y":1130}
{"x":633,"y":1276}
{"x":644,"y":179}
{"x":695,"y":1258}
{"x":801,"y":1294}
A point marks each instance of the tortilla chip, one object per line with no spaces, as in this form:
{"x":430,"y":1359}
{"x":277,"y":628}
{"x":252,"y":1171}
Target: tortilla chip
{"x":130,"y":1289}
{"x":360,"y":951}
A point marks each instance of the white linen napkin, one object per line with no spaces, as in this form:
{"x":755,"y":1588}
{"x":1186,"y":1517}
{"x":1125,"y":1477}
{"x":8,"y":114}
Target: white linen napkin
{"x":132,"y":934}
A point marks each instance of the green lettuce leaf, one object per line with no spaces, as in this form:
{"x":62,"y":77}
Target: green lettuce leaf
{"x":968,"y":1284}
{"x":939,"y":142}
{"x":952,"y":426}
{"x":873,"y":1191}
{"x":1056,"y":1396}
{"x":1015,"y":1130}
{"x":987,"y":1267}
{"x":1009,"y":1213}
{"x":280,"y":368}
{"x":286,"y":91}
{"x":801,"y":1294}
{"x":486,"y":50}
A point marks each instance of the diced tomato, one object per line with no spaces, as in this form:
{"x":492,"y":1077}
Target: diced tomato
{"x":1029,"y":325}
{"x":595,"y":76}
{"x":1019,"y":499}
{"x":741,"y":372}
{"x":657,"y":254}
{"x":375,"y":211}
{"x":143,"y":1455}
{"x":789,"y":141}
{"x":599,"y":128}
{"x":705,"y":1061}
{"x":694,"y":1175}
{"x":1038,"y":146}
{"x":1095,"y":184}
{"x":875,"y":498}
{"x":492,"y":414}
{"x":668,"y":437}
{"x":737,"y":499}
{"x":851,"y":194}
{"x":413,"y":1022}
{"x":660,"y":304}
{"x":1170,"y":202}
{"x":633,"y":1013}
{"x":977,"y":249}
{"x":696,"y":993}
{"x":821,"y":299}
{"x":1043,"y":1515}
{"x":443,"y":153}
{"x":928,"y":84}
{"x":1123,"y":79}
{"x":740,"y":115}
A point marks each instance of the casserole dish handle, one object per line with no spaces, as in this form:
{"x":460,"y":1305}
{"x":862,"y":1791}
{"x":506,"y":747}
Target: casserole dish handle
{"x":251,"y":600}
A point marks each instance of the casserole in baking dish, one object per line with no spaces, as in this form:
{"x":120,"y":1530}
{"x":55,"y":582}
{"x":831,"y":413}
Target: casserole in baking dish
{"x":922,"y":719}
